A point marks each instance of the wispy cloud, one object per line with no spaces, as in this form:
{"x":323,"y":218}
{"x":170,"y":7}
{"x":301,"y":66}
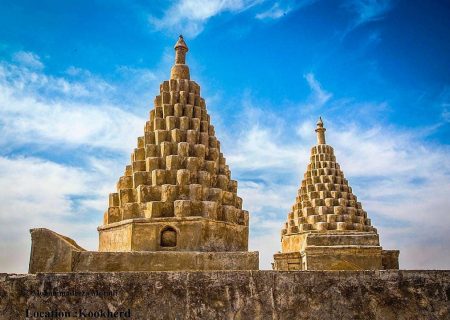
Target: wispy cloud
{"x":64,"y":143}
{"x":280,"y":9}
{"x":444,"y":102}
{"x":319,"y":96}
{"x":43,"y":193}
{"x":189,"y":16}
{"x":401,"y":179}
{"x":369,"y":10}
{"x":28,"y":59}
{"x":392,"y":171}
{"x":45,"y":110}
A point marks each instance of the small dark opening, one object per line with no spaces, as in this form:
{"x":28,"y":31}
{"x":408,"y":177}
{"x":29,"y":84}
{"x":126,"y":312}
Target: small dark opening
{"x":168,"y":237}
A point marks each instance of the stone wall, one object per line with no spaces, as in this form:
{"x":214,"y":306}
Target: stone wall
{"x":229,"y":295}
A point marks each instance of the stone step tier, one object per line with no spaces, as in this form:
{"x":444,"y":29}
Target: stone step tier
{"x":325,"y":201}
{"x":177,"y":168}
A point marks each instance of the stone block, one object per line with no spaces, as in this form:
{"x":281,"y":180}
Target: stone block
{"x":178,"y":110}
{"x":184,"y":123}
{"x":140,"y":142}
{"x":238,"y":202}
{"x":230,"y":214}
{"x":209,"y":209}
{"x":126,"y":196}
{"x":204,"y":126}
{"x":196,"y":208}
{"x":158,"y":177}
{"x":199,"y":151}
{"x":192,"y":164}
{"x":183,"y":97}
{"x":191,"y":137}
{"x":222,"y":182}
{"x":165,"y":97}
{"x":160,"y":136}
{"x":182,"y":208}
{"x":204,"y":139}
{"x":183,"y":177}
{"x":197,"y":109}
{"x":195,"y":192}
{"x":113,"y":215}
{"x":159,"y":124}
{"x":138,"y":165}
{"x":148,"y":193}
{"x":173,"y":162}
{"x":209,"y":166}
{"x":167,"y":111}
{"x":244,"y":218}
{"x":152,"y":150}
{"x":175,"y":135}
{"x":114,"y":199}
{"x":183,"y":149}
{"x":173,"y":85}
{"x":228,"y":198}
{"x":139,"y":154}
{"x":131,"y":211}
{"x":171,"y":123}
{"x":128,"y":170}
{"x":154,"y":209}
{"x":125,"y":182}
{"x":204,"y":178}
{"x":188,"y":111}
{"x":141,"y":178}
{"x":169,"y":193}
{"x":166,"y":149}
{"x":215,"y":194}
{"x":195,"y":124}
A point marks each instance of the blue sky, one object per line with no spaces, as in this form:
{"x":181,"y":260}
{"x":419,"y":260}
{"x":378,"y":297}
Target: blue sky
{"x":77,"y":79}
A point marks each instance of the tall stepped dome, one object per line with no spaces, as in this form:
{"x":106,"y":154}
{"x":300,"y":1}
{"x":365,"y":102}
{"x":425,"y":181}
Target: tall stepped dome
{"x":327,"y":228}
{"x":177,"y":194}
{"x":175,"y":208}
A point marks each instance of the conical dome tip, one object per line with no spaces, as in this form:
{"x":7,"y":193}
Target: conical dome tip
{"x":181,"y":43}
{"x":320,"y":122}
{"x":320,"y":131}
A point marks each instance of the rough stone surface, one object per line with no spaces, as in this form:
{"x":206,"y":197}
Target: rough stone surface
{"x":175,"y":196}
{"x":51,"y":252}
{"x":252,"y":295}
{"x":177,"y":172}
{"x":327,"y":226}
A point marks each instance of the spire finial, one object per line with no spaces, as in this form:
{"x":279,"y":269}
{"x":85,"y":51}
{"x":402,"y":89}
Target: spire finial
{"x":180,"y":51}
{"x":320,"y":132}
{"x":180,"y":70}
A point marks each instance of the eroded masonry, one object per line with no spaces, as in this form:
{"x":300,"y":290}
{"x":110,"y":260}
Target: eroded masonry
{"x":176,"y":205}
{"x":327,"y":228}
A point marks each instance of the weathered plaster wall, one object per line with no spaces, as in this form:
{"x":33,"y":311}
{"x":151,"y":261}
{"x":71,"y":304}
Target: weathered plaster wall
{"x":235,"y":294}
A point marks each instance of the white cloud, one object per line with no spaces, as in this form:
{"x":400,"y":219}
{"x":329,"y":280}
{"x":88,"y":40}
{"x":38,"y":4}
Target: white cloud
{"x":369,"y":10}
{"x":41,"y":193}
{"x":62,"y":118}
{"x":275,"y":12}
{"x":39,"y":109}
{"x":28,"y":59}
{"x":444,"y":101}
{"x":401,"y":180}
{"x":281,"y":8}
{"x":189,"y":16}
{"x":446,"y":113}
{"x":319,"y":95}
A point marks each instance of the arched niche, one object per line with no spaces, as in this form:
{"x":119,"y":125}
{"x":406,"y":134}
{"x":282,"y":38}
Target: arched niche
{"x":168,"y":237}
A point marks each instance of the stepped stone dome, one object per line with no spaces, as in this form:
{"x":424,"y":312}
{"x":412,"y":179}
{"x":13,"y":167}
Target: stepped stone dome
{"x":177,"y":193}
{"x":175,"y":208}
{"x":327,"y":227}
